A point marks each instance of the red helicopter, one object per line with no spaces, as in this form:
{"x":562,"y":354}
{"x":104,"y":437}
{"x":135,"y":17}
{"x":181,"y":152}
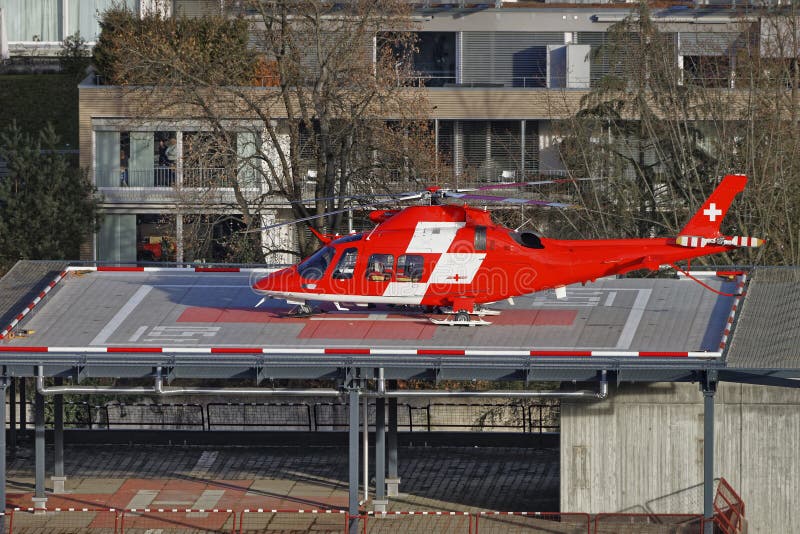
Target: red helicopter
{"x":456,"y":259}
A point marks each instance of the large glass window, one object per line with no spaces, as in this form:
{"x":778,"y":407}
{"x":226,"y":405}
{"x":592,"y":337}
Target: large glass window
{"x":135,"y":159}
{"x":410,"y":268}
{"x":155,"y":238}
{"x":116,"y":239}
{"x":314,"y":267}
{"x":380,"y":267}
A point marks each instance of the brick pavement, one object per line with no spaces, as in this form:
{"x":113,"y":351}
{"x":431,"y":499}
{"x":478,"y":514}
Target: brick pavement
{"x":441,"y":478}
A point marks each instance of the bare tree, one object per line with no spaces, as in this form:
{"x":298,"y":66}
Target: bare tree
{"x":293,"y":97}
{"x":661,"y":135}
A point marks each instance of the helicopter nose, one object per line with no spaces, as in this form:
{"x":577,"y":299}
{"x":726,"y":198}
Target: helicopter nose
{"x":276,"y":283}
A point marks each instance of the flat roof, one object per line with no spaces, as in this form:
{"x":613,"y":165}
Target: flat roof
{"x":205,"y":324}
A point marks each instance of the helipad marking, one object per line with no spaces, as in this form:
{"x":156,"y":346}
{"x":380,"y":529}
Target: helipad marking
{"x":121,"y":315}
{"x":634,"y":318}
{"x":142,"y":499}
{"x":136,"y":335}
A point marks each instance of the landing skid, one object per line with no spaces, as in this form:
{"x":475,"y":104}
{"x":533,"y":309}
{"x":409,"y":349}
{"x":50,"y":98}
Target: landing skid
{"x":480,"y":312}
{"x":303,"y":310}
{"x":461,"y":318}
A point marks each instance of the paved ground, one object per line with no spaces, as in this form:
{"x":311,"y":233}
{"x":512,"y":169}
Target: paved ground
{"x":449,"y":478}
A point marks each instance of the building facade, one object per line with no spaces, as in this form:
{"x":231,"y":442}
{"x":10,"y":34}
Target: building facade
{"x":496,"y":79}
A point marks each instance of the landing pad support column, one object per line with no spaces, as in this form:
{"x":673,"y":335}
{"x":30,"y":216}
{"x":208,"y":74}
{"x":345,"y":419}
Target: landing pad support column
{"x":39,"y":497}
{"x":380,"y":502}
{"x":12,"y":416}
{"x":392,"y":481}
{"x":3,"y":384}
{"x":709,"y":388}
{"x":58,"y":441}
{"x":352,"y":478}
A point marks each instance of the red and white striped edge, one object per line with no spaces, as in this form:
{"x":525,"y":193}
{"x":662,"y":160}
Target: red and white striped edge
{"x":274,"y":511}
{"x":420,"y":513}
{"x":66,"y":509}
{"x":133,"y":269}
{"x":33,"y":304}
{"x":178,"y":510}
{"x":732,"y":315}
{"x":331,"y":351}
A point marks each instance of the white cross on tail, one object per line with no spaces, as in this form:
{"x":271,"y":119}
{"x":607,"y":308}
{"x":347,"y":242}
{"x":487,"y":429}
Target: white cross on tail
{"x":712,"y":212}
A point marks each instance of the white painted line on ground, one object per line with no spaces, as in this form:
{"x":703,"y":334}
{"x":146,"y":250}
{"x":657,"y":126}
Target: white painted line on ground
{"x":121,"y":315}
{"x":634,"y":318}
{"x":208,"y":500}
{"x":610,"y":298}
{"x":136,"y":335}
{"x":142,"y":499}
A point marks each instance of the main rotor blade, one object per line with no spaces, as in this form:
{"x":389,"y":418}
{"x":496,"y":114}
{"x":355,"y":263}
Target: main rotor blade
{"x":509,"y":200}
{"x":401,"y":197}
{"x":527,"y":184}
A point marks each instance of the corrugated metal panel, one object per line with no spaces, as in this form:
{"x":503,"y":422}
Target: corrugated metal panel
{"x":767,"y":334}
{"x":707,"y":43}
{"x":531,"y":147}
{"x":510,"y":59}
{"x":197,"y":8}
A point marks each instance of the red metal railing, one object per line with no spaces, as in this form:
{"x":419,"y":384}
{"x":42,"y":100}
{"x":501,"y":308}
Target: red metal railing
{"x":728,"y":519}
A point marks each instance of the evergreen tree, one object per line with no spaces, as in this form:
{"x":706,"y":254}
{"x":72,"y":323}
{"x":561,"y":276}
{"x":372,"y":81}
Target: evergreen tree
{"x":47,"y":206}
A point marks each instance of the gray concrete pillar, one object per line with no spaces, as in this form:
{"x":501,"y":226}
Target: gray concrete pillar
{"x":3,"y":383}
{"x":708,"y":457}
{"x":393,"y":480}
{"x":39,"y":498}
{"x":380,"y":502}
{"x":12,"y":435}
{"x":23,"y":406}
{"x":352,"y":507}
{"x":59,"y":480}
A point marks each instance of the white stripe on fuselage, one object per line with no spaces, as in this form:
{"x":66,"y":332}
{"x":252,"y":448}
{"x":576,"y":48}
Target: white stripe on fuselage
{"x":456,"y":268}
{"x":433,"y":237}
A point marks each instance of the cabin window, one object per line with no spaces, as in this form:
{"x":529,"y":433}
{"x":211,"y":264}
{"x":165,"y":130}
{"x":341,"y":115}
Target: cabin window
{"x":315,"y":266}
{"x":347,"y":264}
{"x":380,"y":267}
{"x":409,"y":268}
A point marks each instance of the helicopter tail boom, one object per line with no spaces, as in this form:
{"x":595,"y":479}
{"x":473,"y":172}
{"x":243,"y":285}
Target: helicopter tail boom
{"x":703,"y":228}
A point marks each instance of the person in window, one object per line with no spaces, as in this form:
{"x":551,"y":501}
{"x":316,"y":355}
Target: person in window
{"x":163,"y":163}
{"x":123,"y":169}
{"x":171,"y":154}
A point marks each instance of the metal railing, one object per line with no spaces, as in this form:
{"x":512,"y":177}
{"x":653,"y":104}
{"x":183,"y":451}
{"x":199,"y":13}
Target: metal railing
{"x":534,"y":418}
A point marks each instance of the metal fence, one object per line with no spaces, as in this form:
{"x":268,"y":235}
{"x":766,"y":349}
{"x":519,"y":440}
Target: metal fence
{"x":274,"y":521}
{"x":267,"y":521}
{"x":302,"y":416}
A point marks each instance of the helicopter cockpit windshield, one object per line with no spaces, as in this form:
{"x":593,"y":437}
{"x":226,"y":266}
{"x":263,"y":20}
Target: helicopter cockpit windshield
{"x":315,"y":266}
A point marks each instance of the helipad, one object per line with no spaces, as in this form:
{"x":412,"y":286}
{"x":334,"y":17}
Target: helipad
{"x":214,"y":319}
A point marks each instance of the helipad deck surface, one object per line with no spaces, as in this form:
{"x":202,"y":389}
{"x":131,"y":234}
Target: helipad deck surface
{"x":186,"y":309}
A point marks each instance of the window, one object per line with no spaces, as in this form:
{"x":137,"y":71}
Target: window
{"x":380,"y":267}
{"x":347,"y":264}
{"x":410,"y":268}
{"x":315,"y":266}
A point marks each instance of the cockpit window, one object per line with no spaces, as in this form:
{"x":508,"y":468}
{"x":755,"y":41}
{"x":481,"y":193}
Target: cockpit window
{"x":347,"y":264}
{"x":314,"y":267}
{"x":527,"y":239}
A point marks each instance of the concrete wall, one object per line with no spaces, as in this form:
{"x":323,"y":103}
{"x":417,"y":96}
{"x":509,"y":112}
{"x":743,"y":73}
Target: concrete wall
{"x":641,"y":450}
